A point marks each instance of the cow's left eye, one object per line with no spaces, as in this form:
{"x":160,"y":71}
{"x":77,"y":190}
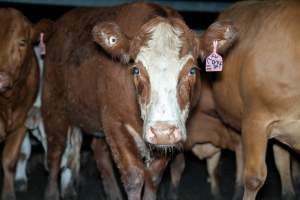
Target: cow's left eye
{"x":135,"y":71}
{"x":193,"y":71}
{"x":22,"y":43}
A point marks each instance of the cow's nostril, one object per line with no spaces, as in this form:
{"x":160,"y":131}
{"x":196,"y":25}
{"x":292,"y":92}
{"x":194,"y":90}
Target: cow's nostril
{"x":171,"y":130}
{"x":152,"y":133}
{"x":5,"y":82}
{"x":163,"y":134}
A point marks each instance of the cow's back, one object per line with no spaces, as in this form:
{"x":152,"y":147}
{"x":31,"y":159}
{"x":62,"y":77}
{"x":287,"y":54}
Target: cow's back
{"x":261,"y":72}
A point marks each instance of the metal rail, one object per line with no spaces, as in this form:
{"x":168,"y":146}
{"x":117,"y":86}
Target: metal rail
{"x":181,"y":5}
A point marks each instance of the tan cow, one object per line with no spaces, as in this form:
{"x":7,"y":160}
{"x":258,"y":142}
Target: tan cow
{"x":138,"y":76}
{"x":18,"y":87}
{"x":207,"y":135}
{"x":258,"y":91}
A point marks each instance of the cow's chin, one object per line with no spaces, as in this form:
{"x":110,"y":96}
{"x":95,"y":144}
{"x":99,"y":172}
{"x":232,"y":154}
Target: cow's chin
{"x":166,"y":149}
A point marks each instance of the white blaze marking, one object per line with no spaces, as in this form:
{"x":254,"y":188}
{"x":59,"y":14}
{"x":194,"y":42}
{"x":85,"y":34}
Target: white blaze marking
{"x":161,"y":58}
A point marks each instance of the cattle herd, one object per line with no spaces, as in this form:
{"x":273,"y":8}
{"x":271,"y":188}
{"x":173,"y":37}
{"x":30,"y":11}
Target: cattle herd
{"x":132,"y":77}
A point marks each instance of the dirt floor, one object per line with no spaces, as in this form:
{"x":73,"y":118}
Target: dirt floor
{"x":194,"y":185}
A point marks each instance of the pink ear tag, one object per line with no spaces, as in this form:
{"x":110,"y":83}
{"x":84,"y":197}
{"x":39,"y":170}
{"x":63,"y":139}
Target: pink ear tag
{"x":214,"y":62}
{"x":42,"y":45}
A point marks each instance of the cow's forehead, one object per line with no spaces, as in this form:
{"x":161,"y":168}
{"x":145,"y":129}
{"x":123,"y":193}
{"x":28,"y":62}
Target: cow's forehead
{"x":161,"y":52}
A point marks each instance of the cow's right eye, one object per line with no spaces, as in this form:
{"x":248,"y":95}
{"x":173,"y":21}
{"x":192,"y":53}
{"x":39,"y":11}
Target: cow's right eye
{"x":135,"y":71}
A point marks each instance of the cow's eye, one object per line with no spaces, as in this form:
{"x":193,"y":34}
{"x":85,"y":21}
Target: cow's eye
{"x":135,"y":71}
{"x":22,"y":43}
{"x":193,"y":71}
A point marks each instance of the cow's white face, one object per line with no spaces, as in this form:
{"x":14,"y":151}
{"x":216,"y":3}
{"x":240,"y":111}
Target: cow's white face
{"x":165,"y":75}
{"x":160,"y":63}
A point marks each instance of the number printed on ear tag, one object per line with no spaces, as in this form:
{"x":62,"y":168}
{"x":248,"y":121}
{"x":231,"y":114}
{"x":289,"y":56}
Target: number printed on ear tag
{"x":214,"y":62}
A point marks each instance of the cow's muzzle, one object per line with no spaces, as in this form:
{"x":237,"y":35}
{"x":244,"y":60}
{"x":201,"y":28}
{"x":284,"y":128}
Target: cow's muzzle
{"x":163,"y":134}
{"x":5,"y":82}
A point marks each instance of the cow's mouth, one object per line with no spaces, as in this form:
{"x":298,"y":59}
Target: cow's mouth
{"x":166,"y":149}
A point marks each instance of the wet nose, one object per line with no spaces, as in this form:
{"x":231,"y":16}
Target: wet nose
{"x":5,"y":82}
{"x":163,"y":134}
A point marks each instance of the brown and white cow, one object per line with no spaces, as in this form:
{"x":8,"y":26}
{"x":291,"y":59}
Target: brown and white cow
{"x":207,"y":135}
{"x":18,"y":87}
{"x":138,"y":75}
{"x":258,"y":91}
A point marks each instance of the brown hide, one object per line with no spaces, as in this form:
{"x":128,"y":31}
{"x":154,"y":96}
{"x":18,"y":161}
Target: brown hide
{"x":207,"y":135}
{"x":91,"y":86}
{"x":84,"y":86}
{"x":18,"y":64}
{"x":205,"y":126}
{"x":258,"y":92}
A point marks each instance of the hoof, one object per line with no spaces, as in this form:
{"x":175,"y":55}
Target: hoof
{"x":21,"y":185}
{"x":69,"y":193}
{"x":173,"y":193}
{"x":289,"y":196}
{"x":114,"y":196}
{"x":51,"y":196}
{"x":217,"y":197}
{"x":149,"y":196}
{"x":238,"y":193}
{"x":216,"y":194}
{"x":172,"y":196}
{"x":8,"y":196}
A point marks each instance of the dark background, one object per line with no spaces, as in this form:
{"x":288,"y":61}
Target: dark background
{"x":194,"y":184}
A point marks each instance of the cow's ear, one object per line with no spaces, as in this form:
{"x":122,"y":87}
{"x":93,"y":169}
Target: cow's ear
{"x":111,"y":38}
{"x":222,"y":31}
{"x":45,"y":26}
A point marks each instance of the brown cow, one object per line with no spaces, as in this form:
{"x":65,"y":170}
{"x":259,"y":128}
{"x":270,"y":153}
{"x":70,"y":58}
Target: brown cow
{"x":258,"y":91}
{"x":138,"y":76}
{"x":18,"y":86}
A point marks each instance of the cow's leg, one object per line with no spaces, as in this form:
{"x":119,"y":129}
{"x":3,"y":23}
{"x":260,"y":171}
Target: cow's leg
{"x":212,"y":165}
{"x":235,"y":144}
{"x":56,"y":135}
{"x":70,"y":164}
{"x":154,"y":176}
{"x":283,"y":164}
{"x":126,"y":156}
{"x":34,"y":122}
{"x":239,"y":160}
{"x":21,"y":172}
{"x":255,"y":139}
{"x":296,"y":176}
{"x":155,"y":167}
{"x":212,"y":154}
{"x":105,"y":166}
{"x":287,"y":132}
{"x":42,"y":133}
{"x":176,"y":170}
{"x":9,"y":158}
